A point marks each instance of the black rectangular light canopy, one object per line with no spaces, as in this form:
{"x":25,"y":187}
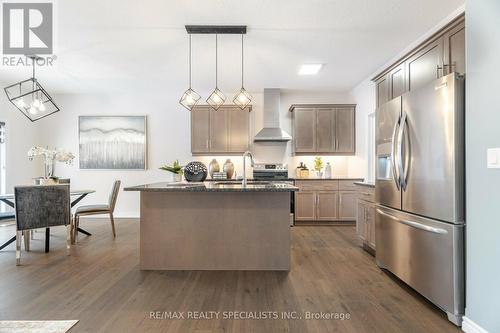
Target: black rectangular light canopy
{"x":216,"y":29}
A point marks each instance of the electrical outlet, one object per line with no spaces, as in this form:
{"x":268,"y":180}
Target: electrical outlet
{"x":493,"y":158}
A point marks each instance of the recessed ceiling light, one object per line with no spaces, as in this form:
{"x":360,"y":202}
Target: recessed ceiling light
{"x":310,"y":69}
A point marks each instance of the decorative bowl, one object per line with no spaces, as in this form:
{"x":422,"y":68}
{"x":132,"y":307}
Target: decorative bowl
{"x":195,"y":172}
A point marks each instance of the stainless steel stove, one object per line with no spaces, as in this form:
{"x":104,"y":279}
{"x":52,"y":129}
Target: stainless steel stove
{"x":270,"y":171}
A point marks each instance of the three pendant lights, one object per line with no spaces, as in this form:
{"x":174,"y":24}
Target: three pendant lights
{"x":191,"y":98}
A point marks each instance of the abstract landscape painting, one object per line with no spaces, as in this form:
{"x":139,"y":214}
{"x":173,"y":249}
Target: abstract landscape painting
{"x":112,"y":142}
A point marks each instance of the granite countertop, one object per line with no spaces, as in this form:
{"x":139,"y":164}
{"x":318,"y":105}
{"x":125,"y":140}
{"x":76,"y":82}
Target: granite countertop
{"x":211,"y":187}
{"x":365,"y":183}
{"x":333,"y":178}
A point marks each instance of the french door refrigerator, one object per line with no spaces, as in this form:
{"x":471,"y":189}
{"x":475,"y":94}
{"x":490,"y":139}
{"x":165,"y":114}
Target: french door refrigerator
{"x":419,"y":221}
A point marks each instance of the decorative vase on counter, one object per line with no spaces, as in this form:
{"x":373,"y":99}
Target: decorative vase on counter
{"x":213,"y":167}
{"x":328,"y":170}
{"x":177,"y":177}
{"x":195,"y":172}
{"x":228,"y":168}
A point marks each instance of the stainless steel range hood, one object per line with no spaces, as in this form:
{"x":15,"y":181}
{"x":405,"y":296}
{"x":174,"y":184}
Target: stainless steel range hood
{"x":272,"y":131}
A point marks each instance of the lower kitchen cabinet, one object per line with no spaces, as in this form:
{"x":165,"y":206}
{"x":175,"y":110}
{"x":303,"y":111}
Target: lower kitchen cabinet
{"x":347,"y":205}
{"x":305,"y":203}
{"x":365,"y":216}
{"x":325,"y":201}
{"x":326,"y":206}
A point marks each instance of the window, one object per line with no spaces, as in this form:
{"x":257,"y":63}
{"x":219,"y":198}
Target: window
{"x":370,"y":146}
{"x":2,"y":157}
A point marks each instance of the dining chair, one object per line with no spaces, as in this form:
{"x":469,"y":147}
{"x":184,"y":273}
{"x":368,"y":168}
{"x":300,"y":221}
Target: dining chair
{"x":41,"y":207}
{"x":108,"y":208}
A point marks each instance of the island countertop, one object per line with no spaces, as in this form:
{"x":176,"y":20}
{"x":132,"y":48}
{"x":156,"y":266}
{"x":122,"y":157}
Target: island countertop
{"x":212,"y":187}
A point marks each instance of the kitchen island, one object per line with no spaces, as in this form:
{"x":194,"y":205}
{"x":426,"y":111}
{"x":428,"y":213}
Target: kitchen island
{"x":214,"y":226}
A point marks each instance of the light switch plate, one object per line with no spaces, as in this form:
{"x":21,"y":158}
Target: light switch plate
{"x":493,"y":158}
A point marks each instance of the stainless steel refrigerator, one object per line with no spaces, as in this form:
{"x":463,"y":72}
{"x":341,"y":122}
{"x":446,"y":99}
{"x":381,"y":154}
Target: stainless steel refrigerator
{"x":419,"y":223}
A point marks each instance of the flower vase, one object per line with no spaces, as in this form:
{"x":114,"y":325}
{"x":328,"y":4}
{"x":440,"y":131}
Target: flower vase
{"x":49,"y":168}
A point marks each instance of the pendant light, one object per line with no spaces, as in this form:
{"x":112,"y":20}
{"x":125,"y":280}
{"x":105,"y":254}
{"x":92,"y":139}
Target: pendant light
{"x":190,"y":97}
{"x":217,"y":98}
{"x":30,"y":98}
{"x":242,"y":99}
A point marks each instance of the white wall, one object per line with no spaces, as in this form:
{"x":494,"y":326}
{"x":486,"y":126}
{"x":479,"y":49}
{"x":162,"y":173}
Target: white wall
{"x":168,"y":139}
{"x":364,"y":96}
{"x":21,"y":135}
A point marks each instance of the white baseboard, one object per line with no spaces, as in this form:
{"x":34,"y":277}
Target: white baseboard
{"x":468,"y":326}
{"x":116,"y":215}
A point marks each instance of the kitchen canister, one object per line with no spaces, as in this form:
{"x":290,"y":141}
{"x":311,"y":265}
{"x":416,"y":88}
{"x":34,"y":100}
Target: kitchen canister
{"x":213,"y":167}
{"x":328,"y":170}
{"x":228,"y":168}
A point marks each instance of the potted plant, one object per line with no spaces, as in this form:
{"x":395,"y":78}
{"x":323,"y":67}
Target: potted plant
{"x":318,"y":166}
{"x":49,"y":157}
{"x":176,"y":169}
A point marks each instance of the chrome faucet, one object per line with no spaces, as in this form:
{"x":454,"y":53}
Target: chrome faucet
{"x":252,"y":163}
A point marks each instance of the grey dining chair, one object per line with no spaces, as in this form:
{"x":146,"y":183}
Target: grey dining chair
{"x":108,"y":208}
{"x":41,"y":207}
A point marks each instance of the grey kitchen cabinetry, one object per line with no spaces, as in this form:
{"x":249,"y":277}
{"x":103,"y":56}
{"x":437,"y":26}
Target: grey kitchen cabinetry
{"x":324,"y":129}
{"x":397,"y":81}
{"x":305,"y":130}
{"x":441,"y":54}
{"x":382,"y":89}
{"x":347,"y":205}
{"x":365,"y":216}
{"x":426,"y":65}
{"x":325,"y":201}
{"x":225,"y":131}
{"x":305,"y":206}
{"x":454,"y":49}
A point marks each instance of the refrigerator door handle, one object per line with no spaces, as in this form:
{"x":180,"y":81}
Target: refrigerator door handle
{"x":415,"y":224}
{"x":402,"y":175}
{"x":393,"y":155}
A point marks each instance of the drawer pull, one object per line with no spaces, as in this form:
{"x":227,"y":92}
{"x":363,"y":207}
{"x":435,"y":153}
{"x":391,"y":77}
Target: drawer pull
{"x":415,"y":224}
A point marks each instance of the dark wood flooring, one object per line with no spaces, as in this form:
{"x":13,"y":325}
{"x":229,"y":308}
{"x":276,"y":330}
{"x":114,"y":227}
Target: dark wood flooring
{"x":101,"y":285}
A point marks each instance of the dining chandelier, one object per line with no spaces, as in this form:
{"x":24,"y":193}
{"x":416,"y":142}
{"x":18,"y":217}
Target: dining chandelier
{"x":30,"y":98}
{"x":217,"y":98}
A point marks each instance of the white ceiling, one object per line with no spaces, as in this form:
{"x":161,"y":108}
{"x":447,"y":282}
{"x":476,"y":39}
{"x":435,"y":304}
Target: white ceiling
{"x":132,"y":45}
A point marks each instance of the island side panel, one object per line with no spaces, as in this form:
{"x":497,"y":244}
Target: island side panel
{"x":215,"y":231}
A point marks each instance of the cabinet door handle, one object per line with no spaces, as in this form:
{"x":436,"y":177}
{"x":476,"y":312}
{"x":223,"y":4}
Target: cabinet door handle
{"x":208,"y":144}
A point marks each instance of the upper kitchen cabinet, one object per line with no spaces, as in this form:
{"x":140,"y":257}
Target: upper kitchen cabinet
{"x":382,"y":89}
{"x":304,"y":130}
{"x":397,"y":81}
{"x":454,"y":49}
{"x":323,"y":129}
{"x":200,"y":130}
{"x":426,"y":65}
{"x":225,"y":131}
{"x":441,"y":54}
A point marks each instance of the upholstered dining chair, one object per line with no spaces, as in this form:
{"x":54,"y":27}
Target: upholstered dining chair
{"x":41,"y":207}
{"x":108,"y":208}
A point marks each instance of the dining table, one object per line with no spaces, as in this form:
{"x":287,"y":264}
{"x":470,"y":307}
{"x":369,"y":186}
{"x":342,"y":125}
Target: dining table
{"x":76,"y":197}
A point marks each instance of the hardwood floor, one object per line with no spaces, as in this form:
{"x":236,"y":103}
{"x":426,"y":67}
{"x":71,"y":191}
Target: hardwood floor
{"x":101,"y":285}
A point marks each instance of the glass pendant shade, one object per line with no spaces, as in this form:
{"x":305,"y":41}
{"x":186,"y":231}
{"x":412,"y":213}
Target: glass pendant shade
{"x":242,"y":99}
{"x":190,"y":99}
{"x":216,"y":99}
{"x":31,"y":99}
